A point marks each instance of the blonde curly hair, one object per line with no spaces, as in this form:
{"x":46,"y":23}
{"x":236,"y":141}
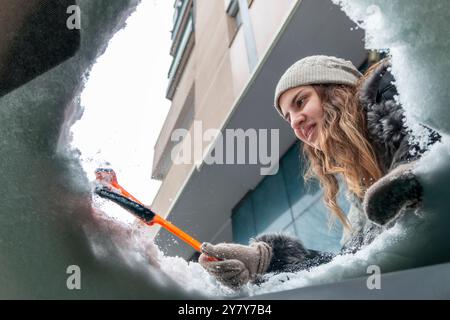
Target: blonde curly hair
{"x":343,"y":146}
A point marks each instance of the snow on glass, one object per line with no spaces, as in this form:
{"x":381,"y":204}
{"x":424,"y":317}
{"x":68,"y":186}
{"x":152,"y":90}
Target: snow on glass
{"x":416,"y":36}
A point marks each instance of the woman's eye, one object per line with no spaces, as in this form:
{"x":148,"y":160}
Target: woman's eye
{"x":299,"y":102}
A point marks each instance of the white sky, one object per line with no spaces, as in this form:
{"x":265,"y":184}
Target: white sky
{"x":124,"y":101}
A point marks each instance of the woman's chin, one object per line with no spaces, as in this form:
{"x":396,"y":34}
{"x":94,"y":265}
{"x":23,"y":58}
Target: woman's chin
{"x":313,"y":143}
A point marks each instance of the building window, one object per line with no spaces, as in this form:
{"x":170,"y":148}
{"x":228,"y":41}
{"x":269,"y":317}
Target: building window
{"x":234,"y":19}
{"x":182,"y":42}
{"x":182,"y":8}
{"x":238,"y":12}
{"x":284,"y":203}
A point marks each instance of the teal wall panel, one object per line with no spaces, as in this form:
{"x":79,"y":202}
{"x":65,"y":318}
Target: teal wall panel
{"x":284,"y":203}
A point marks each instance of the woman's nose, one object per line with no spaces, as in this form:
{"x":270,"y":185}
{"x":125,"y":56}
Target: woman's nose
{"x":296,"y":121}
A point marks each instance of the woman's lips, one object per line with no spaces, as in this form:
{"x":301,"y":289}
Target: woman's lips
{"x":309,"y":132}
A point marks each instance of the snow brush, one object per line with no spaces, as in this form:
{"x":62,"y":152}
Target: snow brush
{"x":110,"y":189}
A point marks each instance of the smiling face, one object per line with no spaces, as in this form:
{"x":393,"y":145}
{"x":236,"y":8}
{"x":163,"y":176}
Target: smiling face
{"x":302,"y":108}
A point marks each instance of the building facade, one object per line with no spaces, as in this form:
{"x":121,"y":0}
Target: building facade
{"x":227,"y":58}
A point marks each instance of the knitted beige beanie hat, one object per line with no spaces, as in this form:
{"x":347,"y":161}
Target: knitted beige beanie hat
{"x":316,"y":70}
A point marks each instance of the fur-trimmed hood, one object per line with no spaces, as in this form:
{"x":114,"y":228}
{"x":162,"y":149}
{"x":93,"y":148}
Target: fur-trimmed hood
{"x":393,"y":142}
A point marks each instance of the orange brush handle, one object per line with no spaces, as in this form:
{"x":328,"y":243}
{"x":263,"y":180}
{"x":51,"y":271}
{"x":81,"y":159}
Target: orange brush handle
{"x":109,"y":177}
{"x":167,"y":225}
{"x":178,"y":232}
{"x":164,"y":223}
{"x":124,"y":192}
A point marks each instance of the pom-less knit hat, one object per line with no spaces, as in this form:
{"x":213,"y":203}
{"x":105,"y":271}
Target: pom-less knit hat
{"x":316,"y":70}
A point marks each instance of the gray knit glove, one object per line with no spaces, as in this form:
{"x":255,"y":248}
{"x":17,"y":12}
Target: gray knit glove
{"x":238,"y":263}
{"x":399,"y":188}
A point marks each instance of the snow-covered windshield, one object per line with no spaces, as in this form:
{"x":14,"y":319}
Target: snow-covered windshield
{"x":48,"y":218}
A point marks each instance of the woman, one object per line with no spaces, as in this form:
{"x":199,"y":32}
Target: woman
{"x":352,"y":128}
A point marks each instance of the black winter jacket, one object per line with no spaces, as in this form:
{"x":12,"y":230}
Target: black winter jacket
{"x":393,"y":143}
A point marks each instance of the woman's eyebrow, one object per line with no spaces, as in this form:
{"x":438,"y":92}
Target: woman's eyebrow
{"x":293,"y":101}
{"x":296,"y":96}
